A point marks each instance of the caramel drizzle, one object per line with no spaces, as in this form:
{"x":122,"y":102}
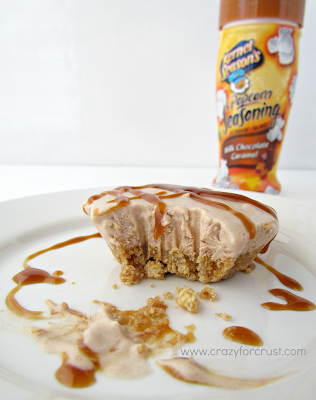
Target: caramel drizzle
{"x":286,"y":280}
{"x":199,"y":194}
{"x":58,"y":246}
{"x":294,"y":302}
{"x":266,"y":247}
{"x":31,"y":275}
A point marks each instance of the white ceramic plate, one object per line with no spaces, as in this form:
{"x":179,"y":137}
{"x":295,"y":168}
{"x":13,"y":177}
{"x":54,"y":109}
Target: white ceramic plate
{"x":34,"y":223}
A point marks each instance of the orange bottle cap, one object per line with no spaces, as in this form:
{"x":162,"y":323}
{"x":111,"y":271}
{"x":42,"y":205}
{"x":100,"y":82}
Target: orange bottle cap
{"x":235,"y":10}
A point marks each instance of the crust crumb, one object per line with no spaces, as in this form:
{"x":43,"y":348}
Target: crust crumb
{"x":187,"y":299}
{"x":155,"y":269}
{"x":151,"y":285}
{"x":190,"y":328}
{"x":225,"y":316}
{"x":149,"y":325}
{"x":207,"y":293}
{"x":131,"y":275}
{"x":114,"y":286}
{"x":143,"y":349}
{"x":167,"y":295}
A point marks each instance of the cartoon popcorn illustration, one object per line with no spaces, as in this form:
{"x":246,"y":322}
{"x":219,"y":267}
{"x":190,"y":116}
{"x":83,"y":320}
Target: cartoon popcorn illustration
{"x":283,"y":45}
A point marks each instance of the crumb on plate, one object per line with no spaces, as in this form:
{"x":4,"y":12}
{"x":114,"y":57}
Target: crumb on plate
{"x":223,"y":315}
{"x":187,"y":299}
{"x":207,"y":293}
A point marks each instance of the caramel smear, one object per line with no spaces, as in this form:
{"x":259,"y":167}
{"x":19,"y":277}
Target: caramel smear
{"x":117,"y":343}
{"x":242,"y":335}
{"x":188,"y":370}
{"x":286,"y":280}
{"x":17,"y":309}
{"x":294,"y":302}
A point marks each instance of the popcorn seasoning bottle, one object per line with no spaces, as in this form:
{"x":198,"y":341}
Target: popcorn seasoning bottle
{"x":255,"y":84}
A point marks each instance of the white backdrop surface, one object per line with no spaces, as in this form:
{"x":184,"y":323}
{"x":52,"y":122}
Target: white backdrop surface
{"x":125,"y":82}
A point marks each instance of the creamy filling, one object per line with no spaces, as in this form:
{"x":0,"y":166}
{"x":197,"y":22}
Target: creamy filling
{"x":118,"y":355}
{"x":210,"y":231}
{"x":118,"y":343}
{"x":188,"y":370}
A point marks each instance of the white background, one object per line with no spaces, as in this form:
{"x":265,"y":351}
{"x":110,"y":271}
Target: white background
{"x":125,"y":82}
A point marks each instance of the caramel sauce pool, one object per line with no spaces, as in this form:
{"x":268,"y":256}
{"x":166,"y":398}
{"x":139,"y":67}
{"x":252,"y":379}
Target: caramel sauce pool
{"x":74,"y":377}
{"x":34,"y":275}
{"x":242,"y":335}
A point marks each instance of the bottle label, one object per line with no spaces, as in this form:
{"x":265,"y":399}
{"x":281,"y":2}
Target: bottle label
{"x":255,"y":83}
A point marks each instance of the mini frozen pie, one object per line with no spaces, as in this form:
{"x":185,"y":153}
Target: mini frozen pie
{"x":196,"y":233}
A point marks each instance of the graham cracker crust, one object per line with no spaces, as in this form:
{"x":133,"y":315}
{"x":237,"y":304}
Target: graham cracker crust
{"x":136,"y":266}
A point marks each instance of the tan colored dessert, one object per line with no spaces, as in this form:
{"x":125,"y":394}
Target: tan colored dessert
{"x":187,"y":299}
{"x":196,"y":233}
